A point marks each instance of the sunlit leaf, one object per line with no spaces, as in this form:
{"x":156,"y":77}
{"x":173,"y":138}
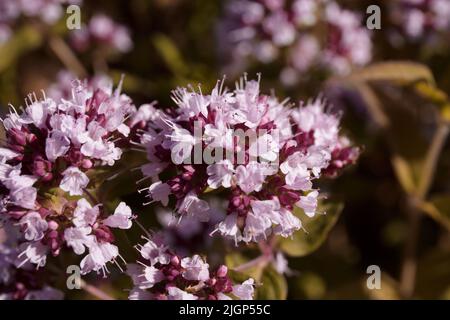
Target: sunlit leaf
{"x":317,"y":228}
{"x":273,"y":286}
{"x":310,"y":285}
{"x":404,"y":120}
{"x":388,"y":289}
{"x":24,"y":39}
{"x":438,"y":208}
{"x":171,"y":55}
{"x":436,"y":96}
{"x":433,"y":274}
{"x":398,"y":96}
{"x":236,"y":259}
{"x":402,"y":71}
{"x":404,"y":173}
{"x":120,"y":179}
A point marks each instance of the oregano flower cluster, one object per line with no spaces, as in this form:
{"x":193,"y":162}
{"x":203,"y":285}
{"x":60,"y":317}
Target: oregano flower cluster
{"x":58,"y":146}
{"x":48,"y":11}
{"x":52,"y":149}
{"x":299,"y":35}
{"x":421,"y":19}
{"x":262,"y":180}
{"x":163,"y":275}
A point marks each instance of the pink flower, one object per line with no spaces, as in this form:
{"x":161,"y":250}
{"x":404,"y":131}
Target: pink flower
{"x":421,"y":20}
{"x":160,"y":192}
{"x":79,"y":238}
{"x":85,"y":215}
{"x":194,"y":207}
{"x":73,"y":133}
{"x":33,"y":252}
{"x":256,"y":30}
{"x":34,"y":226}
{"x":24,"y":197}
{"x":220,"y":174}
{"x":175,"y":293}
{"x":245,"y":290}
{"x":297,"y":174}
{"x":256,"y":227}
{"x":155,"y":253}
{"x":36,"y":113}
{"x":144,"y":277}
{"x":99,"y":255}
{"x":102,"y":31}
{"x":309,"y":203}
{"x":74,"y":181}
{"x":121,"y":218}
{"x":251,"y":177}
{"x":229,"y":228}
{"x":261,"y":194}
{"x":288,"y":223}
{"x":56,"y":145}
{"x":195,"y":268}
{"x":163,"y":275}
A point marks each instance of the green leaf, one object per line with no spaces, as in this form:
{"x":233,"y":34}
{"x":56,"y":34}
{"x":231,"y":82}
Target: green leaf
{"x":401,"y":71}
{"x":273,"y":286}
{"x":209,"y":189}
{"x":171,"y":55}
{"x":389,"y":289}
{"x":310,"y":285}
{"x":435,"y":96}
{"x":438,"y":208}
{"x":236,"y":259}
{"x":397,"y":95}
{"x":317,"y":228}
{"x":112,"y":183}
{"x":399,"y":113}
{"x":25,"y":39}
{"x":433,"y":274}
{"x":237,"y":277}
{"x":404,"y":173}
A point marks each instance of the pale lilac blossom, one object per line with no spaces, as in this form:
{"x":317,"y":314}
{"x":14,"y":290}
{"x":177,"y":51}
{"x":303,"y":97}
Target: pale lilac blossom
{"x":164,"y":275}
{"x":305,"y":141}
{"x":50,"y":154}
{"x":303,"y":35}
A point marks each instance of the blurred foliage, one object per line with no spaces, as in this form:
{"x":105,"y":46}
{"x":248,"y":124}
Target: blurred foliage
{"x":315,"y":232}
{"x":392,"y":109}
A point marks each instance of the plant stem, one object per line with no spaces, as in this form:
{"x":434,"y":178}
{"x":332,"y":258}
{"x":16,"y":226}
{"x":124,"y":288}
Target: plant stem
{"x":409,"y":265}
{"x":95,"y":291}
{"x":432,"y":159}
{"x":66,"y":56}
{"x":90,"y":196}
{"x":262,"y":260}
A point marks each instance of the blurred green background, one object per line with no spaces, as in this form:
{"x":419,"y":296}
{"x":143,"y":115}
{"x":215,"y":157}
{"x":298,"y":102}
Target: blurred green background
{"x":175,"y":44}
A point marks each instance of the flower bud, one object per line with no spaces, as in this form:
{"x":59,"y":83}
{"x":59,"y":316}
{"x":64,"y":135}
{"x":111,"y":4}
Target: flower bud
{"x":222,"y":271}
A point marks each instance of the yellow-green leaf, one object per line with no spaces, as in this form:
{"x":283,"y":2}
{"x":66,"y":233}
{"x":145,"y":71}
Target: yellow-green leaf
{"x":236,"y":259}
{"x":401,"y":71}
{"x":438,"y":208}
{"x":171,"y":55}
{"x":273,"y":286}
{"x":23,"y":40}
{"x":404,"y":173}
{"x":317,"y":228}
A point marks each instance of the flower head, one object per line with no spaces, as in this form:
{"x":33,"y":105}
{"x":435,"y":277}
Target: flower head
{"x":421,"y":19}
{"x":266,"y":159}
{"x":288,"y":32}
{"x":101,"y":30}
{"x":166,"y":276}
{"x":52,"y":151}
